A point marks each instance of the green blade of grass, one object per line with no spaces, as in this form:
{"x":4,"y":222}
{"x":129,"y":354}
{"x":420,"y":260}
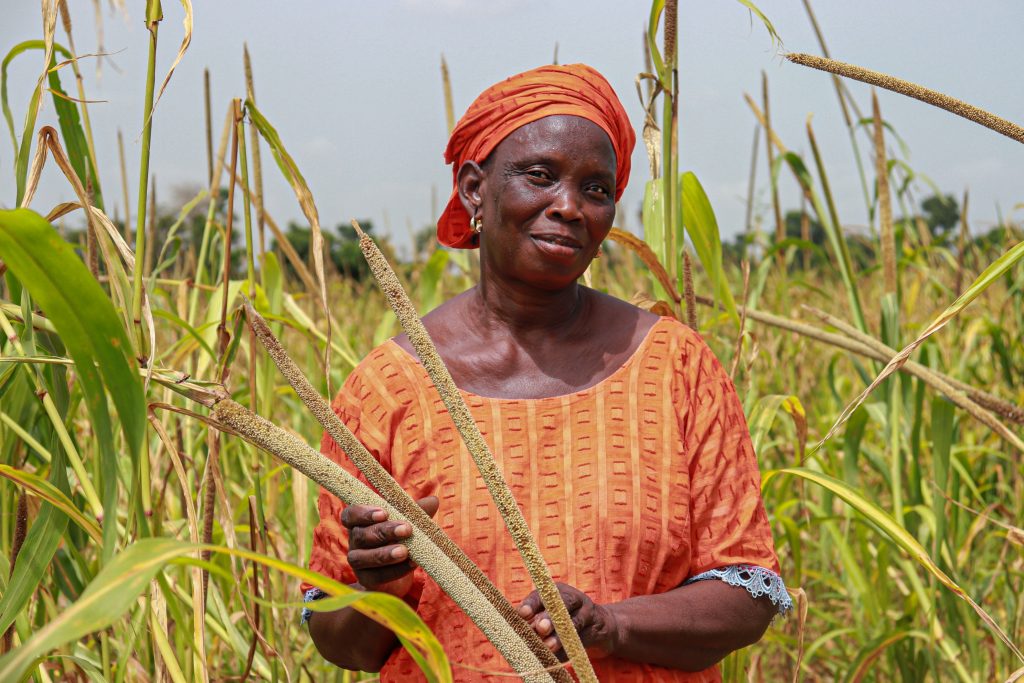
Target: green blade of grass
{"x":88,"y":325}
{"x":43,"y":489}
{"x":115,"y":589}
{"x":291,"y":172}
{"x":40,"y":546}
{"x":996,"y":270}
{"x":898,"y":535}
{"x":702,"y":227}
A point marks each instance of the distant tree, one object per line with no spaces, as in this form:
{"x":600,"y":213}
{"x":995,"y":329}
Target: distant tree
{"x":342,"y":246}
{"x":941,"y":213}
{"x":423,"y":238}
{"x":346,"y":255}
{"x":793,"y":223}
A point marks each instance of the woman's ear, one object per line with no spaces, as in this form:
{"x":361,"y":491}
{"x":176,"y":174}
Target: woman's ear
{"x":470,"y":182}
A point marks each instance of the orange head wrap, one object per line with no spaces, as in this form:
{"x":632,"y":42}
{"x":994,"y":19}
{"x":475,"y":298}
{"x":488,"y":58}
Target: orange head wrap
{"x":573,"y":89}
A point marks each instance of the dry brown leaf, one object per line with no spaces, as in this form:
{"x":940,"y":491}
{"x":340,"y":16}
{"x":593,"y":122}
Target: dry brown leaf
{"x":640,"y":248}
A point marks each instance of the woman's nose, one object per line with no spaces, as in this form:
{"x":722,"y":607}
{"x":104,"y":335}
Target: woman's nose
{"x":566,"y":204}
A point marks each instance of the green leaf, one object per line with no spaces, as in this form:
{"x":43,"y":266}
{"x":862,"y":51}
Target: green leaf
{"x":883,"y":521}
{"x":87,"y":323}
{"x":21,"y":151}
{"x":430,"y":280}
{"x":40,"y":545}
{"x":702,"y":227}
{"x":67,"y":119}
{"x":657,"y":7}
{"x":43,"y":489}
{"x":764,"y":412}
{"x":996,"y":269}
{"x":654,"y":228}
{"x":829,"y":222}
{"x":115,"y":589}
{"x":305,"y":198}
{"x":111,"y":594}
{"x":867,"y":656}
{"x":764,"y":20}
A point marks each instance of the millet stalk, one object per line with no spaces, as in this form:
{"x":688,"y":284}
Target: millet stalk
{"x":932,"y":97}
{"x":439,"y":567}
{"x":392,"y":492}
{"x":464,"y":422}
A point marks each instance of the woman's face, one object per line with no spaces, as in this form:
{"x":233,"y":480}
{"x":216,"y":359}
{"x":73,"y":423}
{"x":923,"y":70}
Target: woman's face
{"x":547,"y":200}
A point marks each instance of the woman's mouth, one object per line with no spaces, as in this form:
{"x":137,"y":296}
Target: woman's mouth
{"x":557,"y":245}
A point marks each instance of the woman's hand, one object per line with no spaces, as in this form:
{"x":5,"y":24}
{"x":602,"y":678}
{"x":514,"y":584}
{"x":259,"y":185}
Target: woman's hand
{"x":595,"y":623}
{"x":376,"y":553}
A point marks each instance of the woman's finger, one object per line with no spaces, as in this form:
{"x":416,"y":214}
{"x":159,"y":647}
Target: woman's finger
{"x":530,"y":605}
{"x":377,"y":557}
{"x":543,"y":626}
{"x":371,"y":579}
{"x":377,"y":535}
{"x":362,"y":515}
{"x":571,"y":596}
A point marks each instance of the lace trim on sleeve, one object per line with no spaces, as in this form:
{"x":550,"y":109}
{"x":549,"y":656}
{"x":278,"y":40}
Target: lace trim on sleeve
{"x":311,"y":595}
{"x":757,"y":580}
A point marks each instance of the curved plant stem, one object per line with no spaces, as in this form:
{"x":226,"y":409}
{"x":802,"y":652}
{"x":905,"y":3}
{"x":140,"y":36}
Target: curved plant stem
{"x":464,"y":422}
{"x":898,"y":85}
{"x":422,"y":550}
{"x":153,"y":17}
{"x":390,"y":490}
{"x":955,"y":394}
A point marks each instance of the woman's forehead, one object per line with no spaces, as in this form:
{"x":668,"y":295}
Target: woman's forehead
{"x":558,"y":133}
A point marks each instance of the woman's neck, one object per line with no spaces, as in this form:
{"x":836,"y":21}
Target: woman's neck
{"x":524,"y":311}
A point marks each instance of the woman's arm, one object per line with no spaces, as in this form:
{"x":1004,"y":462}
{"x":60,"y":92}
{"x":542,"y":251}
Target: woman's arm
{"x":346,"y":637}
{"x":689,"y":628}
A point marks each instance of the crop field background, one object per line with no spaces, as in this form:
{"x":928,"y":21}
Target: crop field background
{"x":139,"y":542}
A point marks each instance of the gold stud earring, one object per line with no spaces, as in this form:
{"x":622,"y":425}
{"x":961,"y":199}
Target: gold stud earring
{"x":476,"y":224}
{"x":600,"y":252}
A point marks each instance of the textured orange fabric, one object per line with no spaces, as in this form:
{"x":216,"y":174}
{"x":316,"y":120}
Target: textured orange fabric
{"x":630,"y":486}
{"x":573,"y":89}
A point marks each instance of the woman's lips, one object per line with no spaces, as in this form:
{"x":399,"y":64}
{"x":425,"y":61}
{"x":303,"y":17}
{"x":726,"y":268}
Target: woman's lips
{"x":557,"y":246}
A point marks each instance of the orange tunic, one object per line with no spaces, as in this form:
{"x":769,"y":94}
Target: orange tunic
{"x":631,"y":486}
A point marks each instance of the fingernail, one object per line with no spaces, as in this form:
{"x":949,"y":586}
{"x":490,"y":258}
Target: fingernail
{"x":525,"y":611}
{"x":403,"y":530}
{"x":399,"y":552}
{"x":551,"y":642}
{"x":379,"y":516}
{"x":545,"y":625}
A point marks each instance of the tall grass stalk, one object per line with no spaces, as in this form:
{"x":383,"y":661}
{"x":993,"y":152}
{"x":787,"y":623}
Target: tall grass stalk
{"x":898,"y":85}
{"x":390,"y":490}
{"x":257,"y":165}
{"x":154,"y":15}
{"x":885,"y":229}
{"x":780,"y":230}
{"x":480,"y":451}
{"x":846,"y":102}
{"x":347,"y":488}
{"x":126,"y":231}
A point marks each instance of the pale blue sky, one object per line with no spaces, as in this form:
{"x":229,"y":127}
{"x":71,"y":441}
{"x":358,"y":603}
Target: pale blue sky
{"x":354,"y":90}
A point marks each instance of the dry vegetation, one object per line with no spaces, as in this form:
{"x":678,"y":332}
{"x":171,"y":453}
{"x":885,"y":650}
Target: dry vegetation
{"x":142,"y":541}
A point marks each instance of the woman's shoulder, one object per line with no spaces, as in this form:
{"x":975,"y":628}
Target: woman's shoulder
{"x":646,"y":324}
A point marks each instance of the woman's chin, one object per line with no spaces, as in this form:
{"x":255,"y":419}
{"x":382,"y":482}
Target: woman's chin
{"x":552,"y":277}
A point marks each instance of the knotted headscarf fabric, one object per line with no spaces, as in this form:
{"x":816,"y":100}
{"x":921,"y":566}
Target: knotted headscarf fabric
{"x":571,"y":89}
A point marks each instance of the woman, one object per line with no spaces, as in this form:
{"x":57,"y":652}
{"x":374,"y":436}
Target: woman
{"x":618,"y":431}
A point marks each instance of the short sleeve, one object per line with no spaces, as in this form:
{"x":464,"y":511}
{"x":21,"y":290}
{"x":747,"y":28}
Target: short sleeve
{"x":330,"y":539}
{"x":729,"y":525}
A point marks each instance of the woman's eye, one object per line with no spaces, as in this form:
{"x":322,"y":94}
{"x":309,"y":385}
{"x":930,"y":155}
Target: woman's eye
{"x":538,"y":173}
{"x":600,"y":189}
